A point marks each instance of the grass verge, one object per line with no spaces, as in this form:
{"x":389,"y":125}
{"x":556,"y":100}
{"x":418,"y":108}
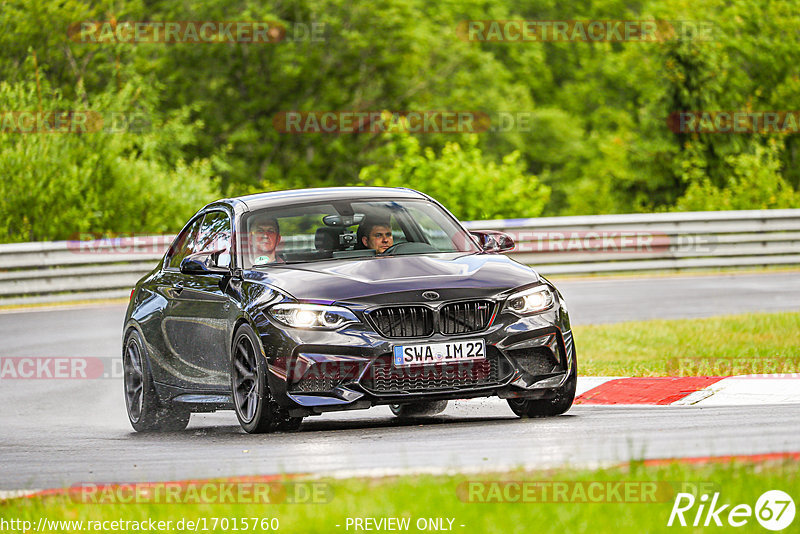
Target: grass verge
{"x":670,"y":273}
{"x":753,"y":343}
{"x":634,"y":498}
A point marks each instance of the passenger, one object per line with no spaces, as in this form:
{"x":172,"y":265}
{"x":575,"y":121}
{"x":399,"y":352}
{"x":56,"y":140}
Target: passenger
{"x":266,"y":236}
{"x":375,"y":234}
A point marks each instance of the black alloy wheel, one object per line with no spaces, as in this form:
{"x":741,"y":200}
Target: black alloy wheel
{"x":256,"y":409}
{"x":145,"y":411}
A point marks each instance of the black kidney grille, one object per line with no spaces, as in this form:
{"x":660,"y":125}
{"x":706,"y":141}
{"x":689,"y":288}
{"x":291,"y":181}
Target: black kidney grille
{"x":418,"y":321}
{"x":403,"y":321}
{"x":465,"y":317}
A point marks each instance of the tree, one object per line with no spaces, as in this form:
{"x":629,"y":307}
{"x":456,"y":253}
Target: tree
{"x":470,"y":185}
{"x":60,"y":185}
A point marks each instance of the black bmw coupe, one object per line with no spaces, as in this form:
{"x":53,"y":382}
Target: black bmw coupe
{"x":294,"y":303}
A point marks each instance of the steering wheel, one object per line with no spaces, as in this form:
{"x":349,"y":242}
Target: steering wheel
{"x":390,"y":250}
{"x":409,"y":247}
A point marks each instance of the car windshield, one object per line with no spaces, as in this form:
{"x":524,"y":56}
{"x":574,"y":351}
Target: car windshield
{"x":349,"y":230}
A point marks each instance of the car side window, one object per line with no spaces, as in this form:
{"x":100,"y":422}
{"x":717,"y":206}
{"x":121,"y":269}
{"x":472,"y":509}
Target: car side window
{"x":183,"y":245}
{"x":215,"y":237}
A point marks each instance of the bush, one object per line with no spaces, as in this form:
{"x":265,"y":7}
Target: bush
{"x":755,"y":182}
{"x":462,"y":179}
{"x":56,"y":185}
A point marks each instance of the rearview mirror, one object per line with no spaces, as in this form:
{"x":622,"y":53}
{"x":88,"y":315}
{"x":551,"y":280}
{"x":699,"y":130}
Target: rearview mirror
{"x":201,"y":263}
{"x":494,"y":241}
{"x":343,"y":220}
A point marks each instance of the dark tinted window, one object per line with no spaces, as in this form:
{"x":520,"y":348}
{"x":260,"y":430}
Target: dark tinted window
{"x":183,"y":245}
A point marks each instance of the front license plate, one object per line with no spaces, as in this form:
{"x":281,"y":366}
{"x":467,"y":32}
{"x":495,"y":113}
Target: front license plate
{"x":439,"y":353}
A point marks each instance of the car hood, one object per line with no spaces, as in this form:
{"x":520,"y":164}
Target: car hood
{"x":355,"y":279}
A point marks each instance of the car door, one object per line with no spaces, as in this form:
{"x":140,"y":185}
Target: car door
{"x":198,"y":322}
{"x":166,"y":364}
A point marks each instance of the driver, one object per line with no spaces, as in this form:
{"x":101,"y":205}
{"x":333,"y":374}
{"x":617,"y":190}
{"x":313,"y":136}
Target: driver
{"x":265,"y":235}
{"x":375,"y":234}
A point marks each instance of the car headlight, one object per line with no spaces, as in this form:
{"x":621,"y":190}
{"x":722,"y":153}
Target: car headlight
{"x":534,"y":300}
{"x":317,"y":316}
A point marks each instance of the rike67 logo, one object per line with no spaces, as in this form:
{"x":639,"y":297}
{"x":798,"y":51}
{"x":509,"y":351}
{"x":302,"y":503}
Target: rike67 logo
{"x":774,"y":510}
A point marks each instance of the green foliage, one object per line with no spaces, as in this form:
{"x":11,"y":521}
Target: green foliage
{"x":385,"y":55}
{"x":56,"y":185}
{"x":597,"y":137}
{"x":755,"y":182}
{"x":461,"y":178}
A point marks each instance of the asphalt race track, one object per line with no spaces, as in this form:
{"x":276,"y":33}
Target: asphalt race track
{"x":62,"y":432}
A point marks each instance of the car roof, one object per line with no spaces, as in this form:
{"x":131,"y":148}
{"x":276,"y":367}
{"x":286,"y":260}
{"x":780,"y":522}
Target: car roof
{"x":333,"y":194}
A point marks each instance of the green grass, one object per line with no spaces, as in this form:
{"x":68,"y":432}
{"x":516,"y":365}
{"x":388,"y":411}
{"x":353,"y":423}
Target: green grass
{"x":736,"y":344}
{"x":672,"y":273}
{"x":448,"y":497}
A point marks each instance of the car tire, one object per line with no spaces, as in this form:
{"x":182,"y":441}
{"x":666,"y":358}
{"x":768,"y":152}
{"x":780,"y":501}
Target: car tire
{"x":559,"y":404}
{"x":145,"y":411}
{"x":418,"y":409}
{"x":255,"y":407}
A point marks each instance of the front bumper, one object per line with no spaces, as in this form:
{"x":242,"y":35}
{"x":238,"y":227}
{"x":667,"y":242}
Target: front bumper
{"x":313,"y":372}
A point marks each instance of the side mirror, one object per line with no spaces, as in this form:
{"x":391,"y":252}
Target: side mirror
{"x":493,"y":241}
{"x":201,"y":263}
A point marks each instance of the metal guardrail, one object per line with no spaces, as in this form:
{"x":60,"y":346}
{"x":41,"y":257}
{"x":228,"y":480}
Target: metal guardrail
{"x":76,"y":270}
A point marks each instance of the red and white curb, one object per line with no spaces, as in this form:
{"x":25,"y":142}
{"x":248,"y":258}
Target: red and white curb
{"x":690,"y":390}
